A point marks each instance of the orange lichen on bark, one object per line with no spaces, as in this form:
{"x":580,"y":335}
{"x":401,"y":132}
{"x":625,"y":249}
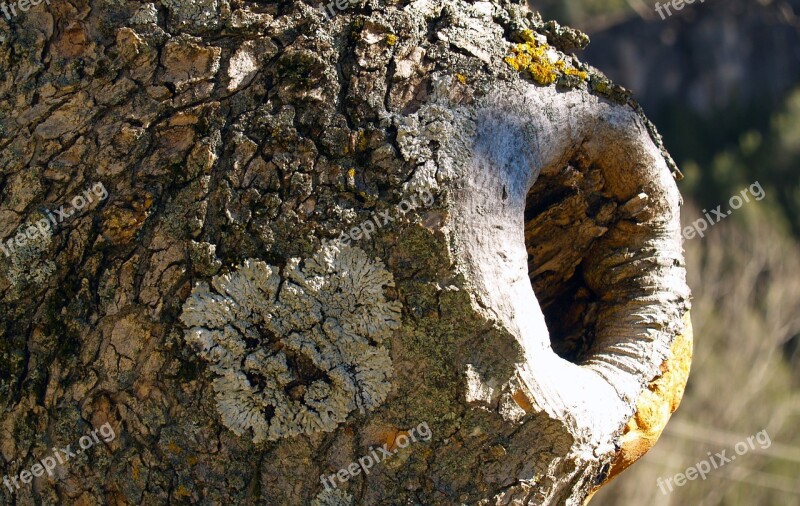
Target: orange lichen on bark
{"x":392,"y":436}
{"x":656,"y":404}
{"x":522,"y":401}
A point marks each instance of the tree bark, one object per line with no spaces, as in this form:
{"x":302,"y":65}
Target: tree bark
{"x":259,"y":245}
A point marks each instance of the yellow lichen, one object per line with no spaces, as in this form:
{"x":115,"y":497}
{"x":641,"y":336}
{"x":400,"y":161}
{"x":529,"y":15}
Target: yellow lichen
{"x":512,"y":62}
{"x":182,"y":491}
{"x":603,"y":87}
{"x":527,"y":36}
{"x":532,"y":56}
{"x":461,"y":78}
{"x":362,"y":142}
{"x":575,"y":72}
{"x":391,"y":39}
{"x":542,"y":73}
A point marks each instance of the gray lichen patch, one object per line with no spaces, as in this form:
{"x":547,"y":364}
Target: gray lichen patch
{"x":333,"y":497}
{"x":295,"y":350}
{"x":199,"y":16}
{"x":27,"y":264}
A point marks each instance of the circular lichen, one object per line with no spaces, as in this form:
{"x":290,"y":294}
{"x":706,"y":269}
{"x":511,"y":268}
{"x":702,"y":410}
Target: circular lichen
{"x":296,"y":350}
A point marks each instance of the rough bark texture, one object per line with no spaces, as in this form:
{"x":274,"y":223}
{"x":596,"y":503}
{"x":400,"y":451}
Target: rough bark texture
{"x":210,"y":309}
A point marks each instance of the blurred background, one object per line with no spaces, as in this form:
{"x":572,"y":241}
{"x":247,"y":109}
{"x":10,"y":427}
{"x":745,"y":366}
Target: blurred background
{"x":721,"y":81}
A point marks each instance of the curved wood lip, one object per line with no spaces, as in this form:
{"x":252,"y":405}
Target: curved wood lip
{"x":515,"y":134}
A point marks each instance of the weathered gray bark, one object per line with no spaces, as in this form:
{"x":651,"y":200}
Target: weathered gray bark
{"x":211,"y":311}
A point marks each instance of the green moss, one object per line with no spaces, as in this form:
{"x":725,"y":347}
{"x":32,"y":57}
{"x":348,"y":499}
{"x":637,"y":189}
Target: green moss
{"x":601,"y":85}
{"x":564,"y":37}
{"x":298,"y":66}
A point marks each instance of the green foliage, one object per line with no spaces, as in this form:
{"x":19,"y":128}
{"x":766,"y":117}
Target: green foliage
{"x":768,"y":154}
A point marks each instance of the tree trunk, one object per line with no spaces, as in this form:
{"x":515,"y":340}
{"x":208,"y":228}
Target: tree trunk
{"x":275,"y":258}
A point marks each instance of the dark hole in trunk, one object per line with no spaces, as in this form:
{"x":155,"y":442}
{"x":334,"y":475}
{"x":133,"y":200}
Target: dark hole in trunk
{"x":566,"y":211}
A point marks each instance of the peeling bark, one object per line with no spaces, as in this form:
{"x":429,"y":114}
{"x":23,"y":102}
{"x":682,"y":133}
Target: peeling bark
{"x":266,"y":294}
